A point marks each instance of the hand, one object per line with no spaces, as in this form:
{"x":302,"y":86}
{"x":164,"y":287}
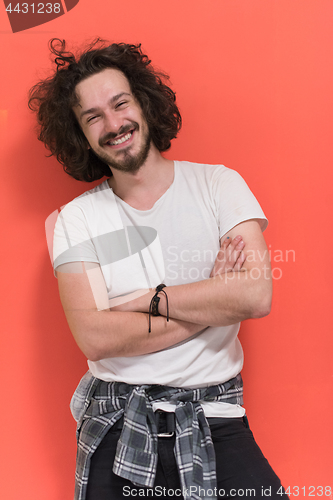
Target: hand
{"x":230,"y":257}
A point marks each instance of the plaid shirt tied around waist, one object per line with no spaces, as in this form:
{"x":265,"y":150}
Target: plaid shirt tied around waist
{"x":98,"y":405}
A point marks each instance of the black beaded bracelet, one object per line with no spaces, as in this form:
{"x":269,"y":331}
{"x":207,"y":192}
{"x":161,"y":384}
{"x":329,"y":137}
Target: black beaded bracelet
{"x":153,"y":306}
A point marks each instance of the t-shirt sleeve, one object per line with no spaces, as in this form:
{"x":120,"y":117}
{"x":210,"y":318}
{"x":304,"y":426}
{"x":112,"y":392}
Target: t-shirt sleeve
{"x":235,"y":203}
{"x":72,"y":241}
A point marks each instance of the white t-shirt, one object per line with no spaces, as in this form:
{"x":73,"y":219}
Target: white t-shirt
{"x":175,"y":242}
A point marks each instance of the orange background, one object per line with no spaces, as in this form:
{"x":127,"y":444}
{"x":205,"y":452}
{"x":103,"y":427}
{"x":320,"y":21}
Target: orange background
{"x":254,"y":81}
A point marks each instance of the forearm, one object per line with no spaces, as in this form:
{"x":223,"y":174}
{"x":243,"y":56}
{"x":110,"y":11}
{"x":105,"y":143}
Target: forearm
{"x":104,"y":334}
{"x":219,"y":301}
{"x":101,"y":333}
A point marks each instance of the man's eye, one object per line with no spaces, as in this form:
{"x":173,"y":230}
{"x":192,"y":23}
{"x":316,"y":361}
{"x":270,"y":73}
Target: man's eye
{"x":91,"y":118}
{"x":122,"y":103}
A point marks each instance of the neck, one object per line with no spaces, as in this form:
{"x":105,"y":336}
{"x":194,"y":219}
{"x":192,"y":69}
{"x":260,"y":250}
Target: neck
{"x":144,"y":187}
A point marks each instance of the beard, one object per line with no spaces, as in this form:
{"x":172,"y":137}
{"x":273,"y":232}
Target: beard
{"x":128,"y":162}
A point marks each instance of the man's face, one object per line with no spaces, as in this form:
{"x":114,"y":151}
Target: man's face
{"x":112,"y":120}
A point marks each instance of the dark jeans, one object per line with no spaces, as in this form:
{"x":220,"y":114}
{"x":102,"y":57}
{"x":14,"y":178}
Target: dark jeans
{"x":242,"y":470}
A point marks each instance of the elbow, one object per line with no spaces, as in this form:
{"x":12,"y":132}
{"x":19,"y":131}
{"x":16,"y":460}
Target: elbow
{"x":91,"y":351}
{"x":92,"y":347}
{"x":95,"y":350}
{"x":261,"y":309}
{"x":262,"y":304}
{"x":95,"y":342}
{"x":85,"y":342}
{"x":98,"y":349}
{"x":92,"y":354}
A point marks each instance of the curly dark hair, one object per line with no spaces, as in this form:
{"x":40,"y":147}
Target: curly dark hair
{"x":53,"y":99}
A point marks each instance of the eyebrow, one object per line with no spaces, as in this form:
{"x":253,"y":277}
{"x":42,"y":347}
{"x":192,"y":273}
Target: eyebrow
{"x":112,"y":100}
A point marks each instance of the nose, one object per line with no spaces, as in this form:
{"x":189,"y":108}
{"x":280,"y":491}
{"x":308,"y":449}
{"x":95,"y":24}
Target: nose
{"x":112,"y":123}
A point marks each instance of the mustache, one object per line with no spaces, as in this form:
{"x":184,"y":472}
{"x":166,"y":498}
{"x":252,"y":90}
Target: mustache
{"x":112,"y":135}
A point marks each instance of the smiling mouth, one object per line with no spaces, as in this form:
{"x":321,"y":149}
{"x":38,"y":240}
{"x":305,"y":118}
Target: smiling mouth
{"x":121,"y":140}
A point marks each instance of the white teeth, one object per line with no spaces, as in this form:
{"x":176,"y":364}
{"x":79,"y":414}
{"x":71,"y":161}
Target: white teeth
{"x":120,"y":141}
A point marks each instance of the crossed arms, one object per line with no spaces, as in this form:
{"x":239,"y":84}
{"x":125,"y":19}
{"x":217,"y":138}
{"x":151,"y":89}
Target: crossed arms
{"x":239,"y":288}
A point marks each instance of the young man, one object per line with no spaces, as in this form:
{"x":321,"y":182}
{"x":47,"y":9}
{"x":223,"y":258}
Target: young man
{"x":156,"y":268}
